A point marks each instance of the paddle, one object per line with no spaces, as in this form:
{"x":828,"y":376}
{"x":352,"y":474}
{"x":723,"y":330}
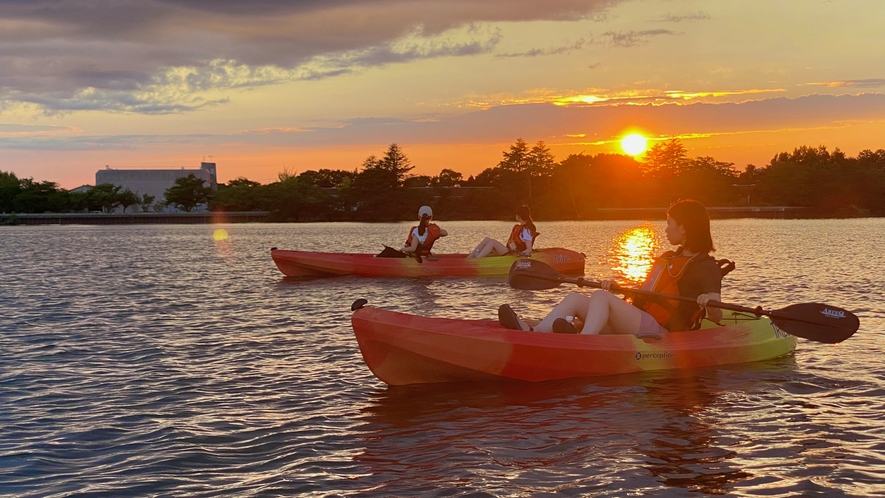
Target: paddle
{"x":814,"y":321}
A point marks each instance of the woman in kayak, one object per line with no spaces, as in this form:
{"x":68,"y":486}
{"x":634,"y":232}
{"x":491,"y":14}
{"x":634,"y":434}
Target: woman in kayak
{"x":689,"y":271}
{"x":422,"y":237}
{"x":522,"y":237}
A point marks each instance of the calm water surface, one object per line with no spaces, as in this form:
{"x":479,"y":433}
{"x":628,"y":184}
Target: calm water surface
{"x":159,"y":361}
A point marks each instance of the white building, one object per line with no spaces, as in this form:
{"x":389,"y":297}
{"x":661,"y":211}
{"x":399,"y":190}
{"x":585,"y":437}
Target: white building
{"x":154,"y":182}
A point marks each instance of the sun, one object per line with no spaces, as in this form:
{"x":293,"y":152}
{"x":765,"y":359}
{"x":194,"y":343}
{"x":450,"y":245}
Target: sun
{"x":634,"y":144}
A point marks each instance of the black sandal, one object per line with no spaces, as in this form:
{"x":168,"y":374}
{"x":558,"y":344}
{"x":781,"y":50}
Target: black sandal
{"x":508,"y":319}
{"x":563,"y":326}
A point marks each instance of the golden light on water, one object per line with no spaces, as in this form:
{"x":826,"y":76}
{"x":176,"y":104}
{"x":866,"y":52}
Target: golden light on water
{"x":219,"y":234}
{"x":634,"y":252}
{"x":634,"y":144}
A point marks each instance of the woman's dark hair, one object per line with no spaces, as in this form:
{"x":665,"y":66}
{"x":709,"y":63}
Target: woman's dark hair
{"x":692,"y":216}
{"x":422,"y":227}
{"x":526,"y":215}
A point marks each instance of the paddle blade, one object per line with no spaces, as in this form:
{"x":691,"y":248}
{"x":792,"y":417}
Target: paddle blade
{"x":816,"y":322}
{"x":529,"y":274}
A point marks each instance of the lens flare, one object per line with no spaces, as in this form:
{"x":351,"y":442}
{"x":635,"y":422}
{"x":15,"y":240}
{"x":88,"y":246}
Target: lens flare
{"x":220,"y":234}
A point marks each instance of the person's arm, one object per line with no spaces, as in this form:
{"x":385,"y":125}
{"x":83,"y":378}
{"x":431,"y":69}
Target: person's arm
{"x":712,"y":285}
{"x":410,"y":248}
{"x":526,"y":236}
{"x":714,"y":314}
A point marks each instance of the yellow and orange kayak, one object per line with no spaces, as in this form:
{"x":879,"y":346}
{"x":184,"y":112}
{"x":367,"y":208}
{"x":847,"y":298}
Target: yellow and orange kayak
{"x":318,"y":264}
{"x":400,"y":348}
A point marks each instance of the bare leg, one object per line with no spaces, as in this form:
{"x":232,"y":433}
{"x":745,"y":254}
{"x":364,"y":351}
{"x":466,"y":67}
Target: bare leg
{"x":574,"y":304}
{"x":486,"y":247}
{"x":478,"y":248}
{"x":601,"y":312}
{"x":492,"y":247}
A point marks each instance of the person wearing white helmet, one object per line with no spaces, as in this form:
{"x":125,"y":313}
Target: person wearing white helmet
{"x":422,"y":237}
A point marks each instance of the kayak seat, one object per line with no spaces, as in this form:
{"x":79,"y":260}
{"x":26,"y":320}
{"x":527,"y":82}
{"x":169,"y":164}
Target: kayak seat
{"x":389,"y":252}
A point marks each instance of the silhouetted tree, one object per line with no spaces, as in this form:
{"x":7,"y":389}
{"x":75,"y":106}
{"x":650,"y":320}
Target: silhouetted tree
{"x":145,"y":202}
{"x":665,"y":160}
{"x":9,"y":190}
{"x":396,"y":162}
{"x":105,"y":195}
{"x":326,"y":178}
{"x":188,"y":192}
{"x":447,"y":178}
{"x":128,"y":198}
{"x":517,"y":159}
{"x":418,"y":181}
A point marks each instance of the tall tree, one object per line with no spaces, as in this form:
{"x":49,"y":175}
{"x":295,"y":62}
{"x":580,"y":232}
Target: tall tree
{"x":541,"y":161}
{"x":517,"y":158}
{"x":665,"y":159}
{"x":396,"y":162}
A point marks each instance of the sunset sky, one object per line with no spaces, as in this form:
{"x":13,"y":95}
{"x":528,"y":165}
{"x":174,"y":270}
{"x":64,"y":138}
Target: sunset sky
{"x":264,"y":86}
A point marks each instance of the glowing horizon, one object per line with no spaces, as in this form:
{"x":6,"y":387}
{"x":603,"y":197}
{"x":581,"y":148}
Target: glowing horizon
{"x":289,"y":87}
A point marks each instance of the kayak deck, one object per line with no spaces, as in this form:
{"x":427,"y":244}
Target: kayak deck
{"x":319,"y":264}
{"x":403,"y":349}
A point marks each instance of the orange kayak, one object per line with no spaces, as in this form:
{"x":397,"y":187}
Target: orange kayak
{"x":319,"y":264}
{"x":400,"y":348}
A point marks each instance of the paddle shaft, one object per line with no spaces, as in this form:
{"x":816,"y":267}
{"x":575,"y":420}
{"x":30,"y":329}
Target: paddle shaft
{"x":757,"y":311}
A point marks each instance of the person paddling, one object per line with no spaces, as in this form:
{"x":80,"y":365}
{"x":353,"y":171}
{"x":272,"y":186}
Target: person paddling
{"x":522,"y":238}
{"x":688,"y":271}
{"x":422,"y":237}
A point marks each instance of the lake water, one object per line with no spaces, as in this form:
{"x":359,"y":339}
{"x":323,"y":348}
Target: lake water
{"x":159,"y":361}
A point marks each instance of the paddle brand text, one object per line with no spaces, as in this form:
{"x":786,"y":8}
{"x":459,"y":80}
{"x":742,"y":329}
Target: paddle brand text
{"x":833,"y":313}
{"x":523,"y":263}
{"x":559,"y":258}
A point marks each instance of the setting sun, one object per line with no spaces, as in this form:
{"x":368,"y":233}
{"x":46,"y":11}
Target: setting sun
{"x":634,"y":144}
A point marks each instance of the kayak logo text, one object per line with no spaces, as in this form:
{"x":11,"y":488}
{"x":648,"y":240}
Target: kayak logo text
{"x":654,"y":356}
{"x":559,"y":258}
{"x":833,"y":313}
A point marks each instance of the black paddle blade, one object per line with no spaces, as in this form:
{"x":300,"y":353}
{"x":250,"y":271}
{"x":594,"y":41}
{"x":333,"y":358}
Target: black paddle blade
{"x":817,"y":322}
{"x":529,"y":274}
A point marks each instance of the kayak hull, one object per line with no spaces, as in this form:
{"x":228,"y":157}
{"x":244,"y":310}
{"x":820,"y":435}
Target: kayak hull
{"x":324,"y":264}
{"x":404,"y":349}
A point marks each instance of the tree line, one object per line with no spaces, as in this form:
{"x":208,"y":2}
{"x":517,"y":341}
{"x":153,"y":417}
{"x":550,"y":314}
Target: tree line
{"x":827,"y":184}
{"x":28,"y":196}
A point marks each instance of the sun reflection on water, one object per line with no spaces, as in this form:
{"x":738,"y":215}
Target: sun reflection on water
{"x":633,"y":253}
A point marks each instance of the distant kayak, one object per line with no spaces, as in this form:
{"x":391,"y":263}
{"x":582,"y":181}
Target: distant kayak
{"x":400,"y":349}
{"x":323,"y":264}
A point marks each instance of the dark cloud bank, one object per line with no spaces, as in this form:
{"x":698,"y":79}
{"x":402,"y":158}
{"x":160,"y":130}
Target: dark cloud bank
{"x":117,"y":54}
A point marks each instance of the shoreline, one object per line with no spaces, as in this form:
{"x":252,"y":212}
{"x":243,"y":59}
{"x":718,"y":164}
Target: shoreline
{"x":217,"y":217}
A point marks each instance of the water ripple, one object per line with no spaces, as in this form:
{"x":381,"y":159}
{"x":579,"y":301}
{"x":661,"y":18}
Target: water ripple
{"x":153,"y":360}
